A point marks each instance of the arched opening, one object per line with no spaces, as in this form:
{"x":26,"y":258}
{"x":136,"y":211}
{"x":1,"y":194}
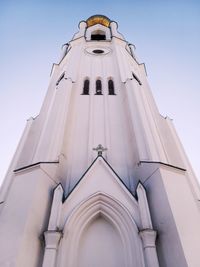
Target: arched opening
{"x":86,"y":87}
{"x":98,"y":87}
{"x":98,"y":226}
{"x":111,"y":89}
{"x":100,"y":245}
{"x":98,"y":35}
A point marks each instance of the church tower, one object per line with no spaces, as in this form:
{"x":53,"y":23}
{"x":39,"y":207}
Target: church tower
{"x":99,"y":177}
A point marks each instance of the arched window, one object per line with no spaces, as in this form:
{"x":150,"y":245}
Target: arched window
{"x":86,"y":87}
{"x":98,"y":87}
{"x":98,"y":35}
{"x":111,"y":89}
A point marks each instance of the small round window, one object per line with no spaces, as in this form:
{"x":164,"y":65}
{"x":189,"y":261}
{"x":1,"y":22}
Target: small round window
{"x":98,"y":51}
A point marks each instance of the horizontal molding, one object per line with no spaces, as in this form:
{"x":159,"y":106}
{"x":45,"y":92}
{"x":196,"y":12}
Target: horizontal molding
{"x":35,"y":164}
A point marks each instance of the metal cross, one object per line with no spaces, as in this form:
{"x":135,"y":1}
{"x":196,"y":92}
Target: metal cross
{"x":100,"y":149}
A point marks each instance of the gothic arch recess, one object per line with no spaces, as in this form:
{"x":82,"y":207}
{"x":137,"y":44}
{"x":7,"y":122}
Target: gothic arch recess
{"x":100,"y":212}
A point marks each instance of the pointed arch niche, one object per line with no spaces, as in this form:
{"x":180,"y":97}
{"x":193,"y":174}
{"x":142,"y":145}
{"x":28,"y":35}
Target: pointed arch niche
{"x":100,"y":232}
{"x":100,"y":244}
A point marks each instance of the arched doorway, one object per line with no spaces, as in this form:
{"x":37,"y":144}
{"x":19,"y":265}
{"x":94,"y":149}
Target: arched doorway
{"x":100,"y":232}
{"x":100,"y":245}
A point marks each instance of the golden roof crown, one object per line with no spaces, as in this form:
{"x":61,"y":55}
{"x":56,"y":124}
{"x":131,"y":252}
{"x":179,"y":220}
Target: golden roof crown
{"x":98,"y":19}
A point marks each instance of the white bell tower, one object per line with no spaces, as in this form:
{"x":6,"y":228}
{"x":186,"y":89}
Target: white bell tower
{"x":99,"y":177}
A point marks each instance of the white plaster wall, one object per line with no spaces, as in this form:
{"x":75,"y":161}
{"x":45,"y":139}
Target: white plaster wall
{"x":100,"y":245}
{"x":99,"y":179}
{"x":24,"y":217}
{"x":185,"y":210}
{"x":175,"y":214}
{"x":70,"y":124}
{"x":97,"y":119}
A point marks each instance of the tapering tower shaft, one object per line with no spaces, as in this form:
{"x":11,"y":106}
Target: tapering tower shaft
{"x":99,"y":104}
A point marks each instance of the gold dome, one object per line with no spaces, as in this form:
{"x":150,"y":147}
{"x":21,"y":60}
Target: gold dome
{"x":98,"y":19}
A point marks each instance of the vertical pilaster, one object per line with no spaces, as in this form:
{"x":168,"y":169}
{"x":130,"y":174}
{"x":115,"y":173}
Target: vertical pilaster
{"x":64,"y":51}
{"x":52,"y":239}
{"x":53,"y":236}
{"x":147,"y":234}
{"x":136,"y":122}
{"x":148,"y":237}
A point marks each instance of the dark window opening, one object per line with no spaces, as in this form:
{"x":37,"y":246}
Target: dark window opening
{"x":60,"y":78}
{"x":136,"y":78}
{"x":98,"y":87}
{"x":111,"y":89}
{"x":98,"y":37}
{"x":98,"y":51}
{"x":86,"y":87}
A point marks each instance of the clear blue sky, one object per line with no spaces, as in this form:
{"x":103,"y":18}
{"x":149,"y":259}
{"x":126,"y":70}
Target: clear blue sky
{"x":166,"y":35}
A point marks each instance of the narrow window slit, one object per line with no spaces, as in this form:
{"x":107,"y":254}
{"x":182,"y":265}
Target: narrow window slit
{"x":60,"y":78}
{"x":98,"y":87}
{"x":111,"y":89}
{"x":136,"y":78}
{"x":86,"y":87}
{"x":98,"y":37}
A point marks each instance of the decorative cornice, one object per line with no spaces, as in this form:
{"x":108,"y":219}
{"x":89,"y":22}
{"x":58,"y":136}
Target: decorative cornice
{"x":35,"y":164}
{"x":161,"y":163}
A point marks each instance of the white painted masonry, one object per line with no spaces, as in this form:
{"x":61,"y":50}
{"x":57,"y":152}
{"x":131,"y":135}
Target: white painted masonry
{"x":99,"y":177}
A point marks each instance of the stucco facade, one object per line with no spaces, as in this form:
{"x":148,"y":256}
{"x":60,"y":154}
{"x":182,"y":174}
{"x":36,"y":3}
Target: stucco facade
{"x":99,"y":177}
